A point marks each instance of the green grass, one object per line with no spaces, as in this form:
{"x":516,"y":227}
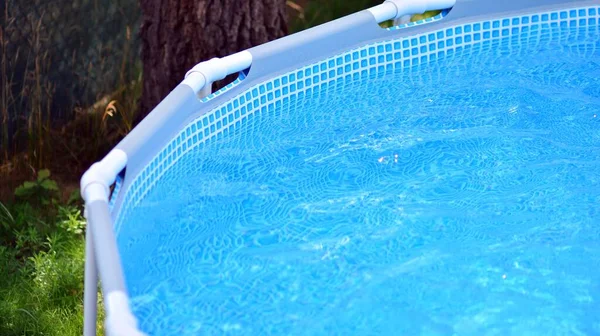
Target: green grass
{"x":43,"y":297}
{"x":41,"y":262}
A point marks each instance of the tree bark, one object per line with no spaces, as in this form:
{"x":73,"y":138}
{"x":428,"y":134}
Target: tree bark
{"x":178,"y":34}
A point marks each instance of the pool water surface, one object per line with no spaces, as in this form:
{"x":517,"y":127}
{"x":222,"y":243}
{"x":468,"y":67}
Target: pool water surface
{"x":456,"y":197}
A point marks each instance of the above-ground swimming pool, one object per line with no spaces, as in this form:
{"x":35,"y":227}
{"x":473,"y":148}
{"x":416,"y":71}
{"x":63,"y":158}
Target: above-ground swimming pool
{"x":441,"y":181}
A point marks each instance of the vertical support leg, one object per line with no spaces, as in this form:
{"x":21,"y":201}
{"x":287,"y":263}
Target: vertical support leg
{"x":402,"y":20}
{"x":205,"y":91}
{"x":119,"y":320}
{"x":90,"y":291}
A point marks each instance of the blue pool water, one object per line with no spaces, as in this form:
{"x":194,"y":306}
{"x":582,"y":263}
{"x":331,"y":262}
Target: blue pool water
{"x":459,"y":197}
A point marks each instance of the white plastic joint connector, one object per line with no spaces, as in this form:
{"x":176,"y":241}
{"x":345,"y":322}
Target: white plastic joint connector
{"x":119,"y":320}
{"x":412,"y":7}
{"x":102,"y":174}
{"x":216,"y":69}
{"x":212,"y":70}
{"x":396,"y":9}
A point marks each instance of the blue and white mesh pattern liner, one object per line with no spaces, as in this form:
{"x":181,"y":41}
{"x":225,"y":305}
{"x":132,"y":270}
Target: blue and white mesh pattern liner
{"x":343,"y":58}
{"x":376,"y":58}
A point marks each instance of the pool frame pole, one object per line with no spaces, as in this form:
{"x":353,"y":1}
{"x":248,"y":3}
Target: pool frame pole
{"x":90,"y":288}
{"x":102,"y":256}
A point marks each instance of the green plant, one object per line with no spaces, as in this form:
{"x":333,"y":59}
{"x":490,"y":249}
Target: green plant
{"x":6,"y":218}
{"x":37,"y":221}
{"x":27,"y":241}
{"x":43,"y":294}
{"x":71,"y":220}
{"x":42,"y":188}
{"x":414,"y":18}
{"x":42,"y":263}
{"x":75,"y":197}
{"x":426,"y":15}
{"x":25,"y":214}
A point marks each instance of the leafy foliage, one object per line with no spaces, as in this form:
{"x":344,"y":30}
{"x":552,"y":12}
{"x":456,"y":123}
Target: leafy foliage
{"x":424,"y":16}
{"x":42,"y":189}
{"x":71,"y":220}
{"x":42,"y":253}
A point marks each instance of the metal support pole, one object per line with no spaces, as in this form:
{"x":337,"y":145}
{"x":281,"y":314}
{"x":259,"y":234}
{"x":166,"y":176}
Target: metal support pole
{"x":90,"y":291}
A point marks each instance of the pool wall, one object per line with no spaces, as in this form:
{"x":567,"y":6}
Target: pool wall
{"x":301,"y":64}
{"x":157,"y":141}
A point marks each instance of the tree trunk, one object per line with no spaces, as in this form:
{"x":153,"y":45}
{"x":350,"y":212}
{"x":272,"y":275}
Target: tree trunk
{"x":178,"y":34}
